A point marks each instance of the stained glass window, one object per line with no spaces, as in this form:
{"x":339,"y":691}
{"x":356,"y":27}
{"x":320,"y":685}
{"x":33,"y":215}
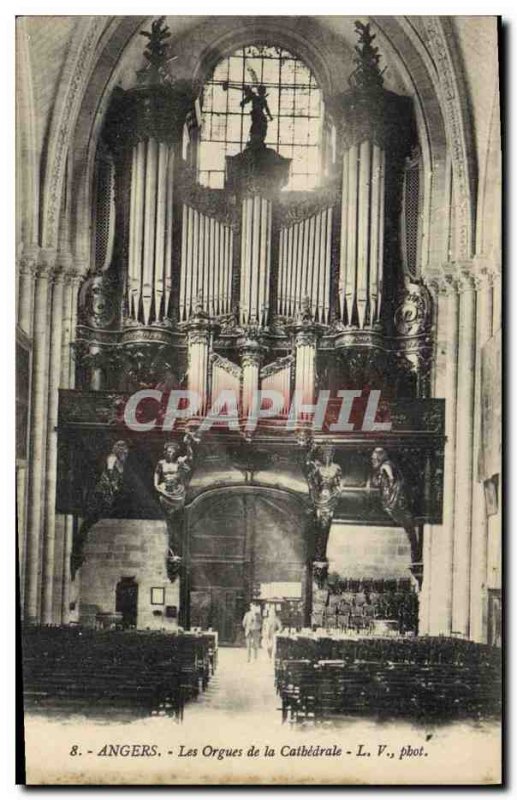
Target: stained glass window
{"x":294,"y":100}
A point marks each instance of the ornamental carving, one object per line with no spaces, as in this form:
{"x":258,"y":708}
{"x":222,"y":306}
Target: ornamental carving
{"x":454,"y":117}
{"x":218,"y":361}
{"x":276,"y":366}
{"x":98,"y":300}
{"x":413,"y":315}
{"x":213,"y":203}
{"x":298,"y":206}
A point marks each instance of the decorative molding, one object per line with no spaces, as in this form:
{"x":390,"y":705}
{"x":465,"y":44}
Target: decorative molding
{"x":225,"y":364}
{"x":456,"y":126}
{"x":297,"y":206}
{"x":276,"y":366}
{"x":82,"y":54}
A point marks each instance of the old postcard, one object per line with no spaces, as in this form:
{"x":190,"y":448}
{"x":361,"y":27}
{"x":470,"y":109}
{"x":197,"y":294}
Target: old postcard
{"x":258,"y":458}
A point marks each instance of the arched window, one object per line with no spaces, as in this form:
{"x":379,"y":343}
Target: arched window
{"x":295,"y":102}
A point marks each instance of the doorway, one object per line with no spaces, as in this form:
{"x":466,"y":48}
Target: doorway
{"x":126,"y":601}
{"x":240,"y":540}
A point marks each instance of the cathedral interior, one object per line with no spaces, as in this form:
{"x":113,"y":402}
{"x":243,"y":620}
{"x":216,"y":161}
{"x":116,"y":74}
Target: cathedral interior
{"x":284,"y":204}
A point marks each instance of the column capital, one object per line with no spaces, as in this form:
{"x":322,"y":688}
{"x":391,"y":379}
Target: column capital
{"x":457,"y":277}
{"x":251,"y":352}
{"x":46,"y":264}
{"x":28,"y":260}
{"x":198,"y":328}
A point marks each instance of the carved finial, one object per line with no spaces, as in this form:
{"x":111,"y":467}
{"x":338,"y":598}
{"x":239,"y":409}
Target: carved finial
{"x":367,"y":73}
{"x":156,"y":50}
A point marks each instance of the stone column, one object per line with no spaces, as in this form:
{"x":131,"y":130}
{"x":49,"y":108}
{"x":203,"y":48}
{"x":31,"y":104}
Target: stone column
{"x":73,"y":280}
{"x":56,"y":321}
{"x":464,"y":457}
{"x":27,"y":270}
{"x":438,"y":565}
{"x":37,"y":454}
{"x":478,"y":586}
{"x":27,"y":266}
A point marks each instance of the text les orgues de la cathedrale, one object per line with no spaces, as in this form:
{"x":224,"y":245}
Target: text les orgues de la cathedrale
{"x":344,"y":412}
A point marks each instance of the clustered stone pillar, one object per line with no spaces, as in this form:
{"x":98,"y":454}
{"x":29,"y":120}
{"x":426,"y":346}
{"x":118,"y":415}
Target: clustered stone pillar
{"x":464,"y":458}
{"x":64,"y":522}
{"x":455,"y":555}
{"x":56,"y":322}
{"x":25,"y":296}
{"x":51,"y":305}
{"x":478,"y":588}
{"x":37,"y":436}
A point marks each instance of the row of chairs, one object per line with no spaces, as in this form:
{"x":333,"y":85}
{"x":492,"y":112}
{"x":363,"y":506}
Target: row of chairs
{"x":411,"y":650}
{"x":318,"y":689}
{"x":140,"y":673}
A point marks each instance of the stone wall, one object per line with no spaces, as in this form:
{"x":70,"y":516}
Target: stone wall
{"x":121,"y":548}
{"x":366,"y":552}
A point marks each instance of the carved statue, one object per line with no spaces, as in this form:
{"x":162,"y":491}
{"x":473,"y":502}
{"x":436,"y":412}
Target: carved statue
{"x":388,"y":479}
{"x":324,"y":479}
{"x":259,"y":109}
{"x":102,"y":499}
{"x":171,"y":478}
{"x":324,"y":476}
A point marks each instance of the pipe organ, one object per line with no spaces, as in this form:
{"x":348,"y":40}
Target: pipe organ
{"x":251,"y":287}
{"x":242,"y":278}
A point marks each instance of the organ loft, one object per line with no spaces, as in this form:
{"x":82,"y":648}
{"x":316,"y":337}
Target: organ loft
{"x":254,"y":213}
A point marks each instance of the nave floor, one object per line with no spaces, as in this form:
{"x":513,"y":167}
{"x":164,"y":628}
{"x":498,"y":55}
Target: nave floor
{"x":233,"y":733}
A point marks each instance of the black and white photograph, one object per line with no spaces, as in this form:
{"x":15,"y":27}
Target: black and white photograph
{"x":259,"y":488}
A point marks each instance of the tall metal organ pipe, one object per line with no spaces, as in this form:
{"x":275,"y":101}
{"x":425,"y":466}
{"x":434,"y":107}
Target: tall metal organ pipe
{"x":255,"y":260}
{"x":362,"y":234}
{"x":304,"y":265}
{"x":150,"y":231}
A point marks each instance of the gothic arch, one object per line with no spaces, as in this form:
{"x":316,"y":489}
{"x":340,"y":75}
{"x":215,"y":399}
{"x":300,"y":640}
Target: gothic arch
{"x":81,"y":58}
{"x":426,"y":68}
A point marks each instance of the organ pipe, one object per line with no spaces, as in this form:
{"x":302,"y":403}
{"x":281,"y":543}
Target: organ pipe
{"x":362,"y":234}
{"x":255,"y":260}
{"x":206,"y":264}
{"x":305,"y":265}
{"x":150,"y":231}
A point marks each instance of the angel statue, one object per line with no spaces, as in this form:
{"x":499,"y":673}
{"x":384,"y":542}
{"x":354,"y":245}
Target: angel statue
{"x":259,"y":113}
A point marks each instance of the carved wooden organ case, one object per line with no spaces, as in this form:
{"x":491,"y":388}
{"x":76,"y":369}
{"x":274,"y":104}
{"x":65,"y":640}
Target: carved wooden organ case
{"x":252,"y":286}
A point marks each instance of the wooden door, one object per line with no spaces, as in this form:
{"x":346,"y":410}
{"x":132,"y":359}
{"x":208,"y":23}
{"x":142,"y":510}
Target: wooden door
{"x":126,"y":601}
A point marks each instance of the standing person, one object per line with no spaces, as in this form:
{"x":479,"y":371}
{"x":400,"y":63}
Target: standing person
{"x":270,"y":627}
{"x":252,"y":623}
